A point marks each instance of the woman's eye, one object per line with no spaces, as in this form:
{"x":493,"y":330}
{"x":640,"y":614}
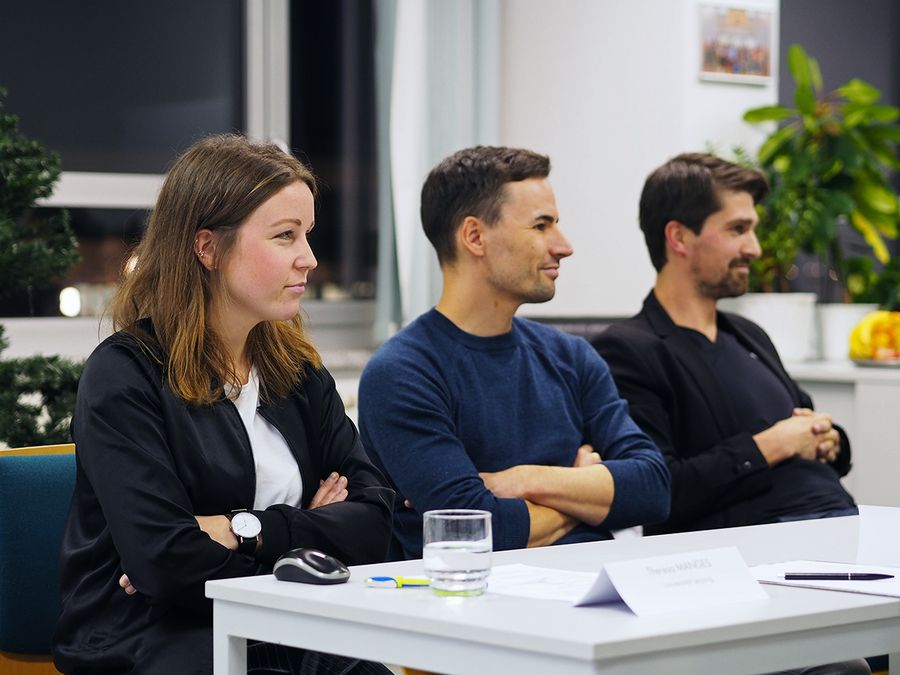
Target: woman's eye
{"x":287,"y":235}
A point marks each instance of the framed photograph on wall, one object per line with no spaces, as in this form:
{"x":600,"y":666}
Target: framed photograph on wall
{"x":735,"y":44}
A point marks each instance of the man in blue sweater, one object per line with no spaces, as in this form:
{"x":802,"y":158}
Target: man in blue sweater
{"x":470,"y":407}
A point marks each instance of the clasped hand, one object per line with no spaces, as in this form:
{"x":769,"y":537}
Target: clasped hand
{"x":805,"y":434}
{"x":827,"y":440}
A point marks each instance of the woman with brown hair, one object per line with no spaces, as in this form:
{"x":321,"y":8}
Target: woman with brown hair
{"x":210,"y":439}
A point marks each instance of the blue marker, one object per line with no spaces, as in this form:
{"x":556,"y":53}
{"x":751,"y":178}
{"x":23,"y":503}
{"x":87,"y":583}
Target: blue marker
{"x":396,"y":582}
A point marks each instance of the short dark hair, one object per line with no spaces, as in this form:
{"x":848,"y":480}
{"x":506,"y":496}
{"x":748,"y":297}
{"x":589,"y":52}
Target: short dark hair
{"x":471,"y":182}
{"x":686,"y":189}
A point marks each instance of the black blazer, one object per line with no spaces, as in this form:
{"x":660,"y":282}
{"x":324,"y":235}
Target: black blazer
{"x":147,"y":463}
{"x":677,"y":400}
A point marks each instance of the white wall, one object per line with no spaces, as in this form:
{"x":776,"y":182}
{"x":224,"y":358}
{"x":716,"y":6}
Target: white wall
{"x":609,"y":89}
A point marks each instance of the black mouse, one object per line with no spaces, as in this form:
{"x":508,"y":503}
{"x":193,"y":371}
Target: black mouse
{"x":309,"y":566}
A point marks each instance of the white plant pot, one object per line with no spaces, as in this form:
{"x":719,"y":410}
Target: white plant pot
{"x":788,"y":318}
{"x":836,"y":322}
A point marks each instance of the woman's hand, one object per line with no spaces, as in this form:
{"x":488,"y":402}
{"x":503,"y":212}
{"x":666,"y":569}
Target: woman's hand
{"x":125,"y":583}
{"x":331,"y":490}
{"x":218,"y":528}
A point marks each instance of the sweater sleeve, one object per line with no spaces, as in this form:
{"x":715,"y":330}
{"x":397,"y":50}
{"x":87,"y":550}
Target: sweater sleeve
{"x":357,"y":530}
{"x":640,"y":476}
{"x":124,"y":454}
{"x":406,"y":419}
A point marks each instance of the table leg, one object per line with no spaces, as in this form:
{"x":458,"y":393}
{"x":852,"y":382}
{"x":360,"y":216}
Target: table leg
{"x":229,"y":654}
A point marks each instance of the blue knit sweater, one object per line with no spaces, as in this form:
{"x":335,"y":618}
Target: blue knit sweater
{"x":437,"y":405}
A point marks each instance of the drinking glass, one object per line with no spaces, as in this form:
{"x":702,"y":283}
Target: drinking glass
{"x":457,"y":551}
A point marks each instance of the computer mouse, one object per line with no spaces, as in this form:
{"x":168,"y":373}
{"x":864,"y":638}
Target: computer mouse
{"x":309,"y":566}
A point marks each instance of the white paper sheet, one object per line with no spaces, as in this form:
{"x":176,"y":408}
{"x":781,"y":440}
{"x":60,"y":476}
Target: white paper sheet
{"x":774,"y":574}
{"x":543,"y":583}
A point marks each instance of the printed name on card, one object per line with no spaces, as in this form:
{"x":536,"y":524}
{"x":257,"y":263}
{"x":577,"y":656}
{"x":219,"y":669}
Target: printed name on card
{"x":672,"y":583}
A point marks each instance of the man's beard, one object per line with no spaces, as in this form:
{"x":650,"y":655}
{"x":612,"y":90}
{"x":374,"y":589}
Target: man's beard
{"x":729,"y":285}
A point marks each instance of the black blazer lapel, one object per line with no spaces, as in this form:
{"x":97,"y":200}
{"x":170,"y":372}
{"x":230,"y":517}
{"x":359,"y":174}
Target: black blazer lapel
{"x":765,"y":354}
{"x":687,"y":354}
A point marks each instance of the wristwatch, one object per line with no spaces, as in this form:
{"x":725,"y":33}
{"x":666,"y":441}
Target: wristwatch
{"x":246,"y":527}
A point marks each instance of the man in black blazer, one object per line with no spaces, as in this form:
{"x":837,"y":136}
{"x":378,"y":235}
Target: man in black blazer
{"x":741,"y":439}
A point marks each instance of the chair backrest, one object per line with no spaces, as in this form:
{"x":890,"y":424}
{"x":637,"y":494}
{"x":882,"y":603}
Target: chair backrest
{"x":36,"y":486}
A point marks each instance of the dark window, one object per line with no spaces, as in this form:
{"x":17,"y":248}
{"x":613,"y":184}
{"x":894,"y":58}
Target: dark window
{"x":333,"y":127}
{"x":123,"y":87}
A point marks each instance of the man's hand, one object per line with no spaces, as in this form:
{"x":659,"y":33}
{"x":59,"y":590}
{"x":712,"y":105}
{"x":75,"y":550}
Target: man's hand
{"x":583,"y":491}
{"x":806,"y":434}
{"x":586,"y":456}
{"x":509,"y":483}
{"x":512,"y":483}
{"x":331,"y":490}
{"x":829,"y":444}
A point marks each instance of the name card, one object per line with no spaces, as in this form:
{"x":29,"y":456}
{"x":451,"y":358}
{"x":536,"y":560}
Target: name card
{"x":878,"y":540}
{"x":672,"y":583}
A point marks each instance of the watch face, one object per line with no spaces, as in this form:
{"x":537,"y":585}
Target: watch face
{"x":245,"y":525}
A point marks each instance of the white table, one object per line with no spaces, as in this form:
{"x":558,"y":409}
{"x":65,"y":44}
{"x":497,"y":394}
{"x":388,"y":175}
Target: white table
{"x":501,"y":634}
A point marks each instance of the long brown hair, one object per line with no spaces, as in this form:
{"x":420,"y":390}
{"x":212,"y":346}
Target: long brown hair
{"x":216,"y":184}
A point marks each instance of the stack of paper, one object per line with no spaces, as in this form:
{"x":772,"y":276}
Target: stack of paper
{"x":878,"y":552}
{"x":774,"y":574}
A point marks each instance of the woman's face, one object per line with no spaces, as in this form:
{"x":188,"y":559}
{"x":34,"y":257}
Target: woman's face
{"x":267,"y":270}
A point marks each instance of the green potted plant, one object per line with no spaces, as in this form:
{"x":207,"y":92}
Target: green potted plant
{"x":828,"y":163}
{"x":37,"y":394}
{"x":788,"y":317}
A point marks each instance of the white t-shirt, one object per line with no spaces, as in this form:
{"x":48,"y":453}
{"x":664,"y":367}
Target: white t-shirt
{"x":277,"y":472}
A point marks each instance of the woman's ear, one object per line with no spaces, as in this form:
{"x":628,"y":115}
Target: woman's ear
{"x":205,"y":248}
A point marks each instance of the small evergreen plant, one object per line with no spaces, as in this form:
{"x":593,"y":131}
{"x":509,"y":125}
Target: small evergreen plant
{"x":37,"y":394}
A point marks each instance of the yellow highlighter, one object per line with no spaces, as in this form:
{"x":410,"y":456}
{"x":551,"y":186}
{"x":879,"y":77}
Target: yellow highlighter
{"x":396,"y":582}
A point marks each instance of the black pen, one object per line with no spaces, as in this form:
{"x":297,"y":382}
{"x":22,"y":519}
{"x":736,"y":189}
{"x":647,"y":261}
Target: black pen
{"x":835,"y":576}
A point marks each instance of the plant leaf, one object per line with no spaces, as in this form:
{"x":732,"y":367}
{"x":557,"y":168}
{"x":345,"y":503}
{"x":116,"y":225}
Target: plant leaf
{"x":870,"y":234}
{"x":887,"y":132}
{"x":883,"y":113}
{"x":886,"y":225}
{"x":877,"y":197}
{"x":804,"y":99}
{"x":815,"y":76}
{"x":774,"y":143}
{"x":798,"y":64}
{"x":859,"y":91}
{"x":870,"y":113}
{"x":768,"y":113}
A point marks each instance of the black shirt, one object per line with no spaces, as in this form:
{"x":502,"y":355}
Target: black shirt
{"x":759,"y":399}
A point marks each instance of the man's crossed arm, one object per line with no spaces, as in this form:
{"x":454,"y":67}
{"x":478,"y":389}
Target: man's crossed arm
{"x":558,"y":498}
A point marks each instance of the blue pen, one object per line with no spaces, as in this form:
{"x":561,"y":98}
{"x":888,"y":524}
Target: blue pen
{"x":395,"y":582}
